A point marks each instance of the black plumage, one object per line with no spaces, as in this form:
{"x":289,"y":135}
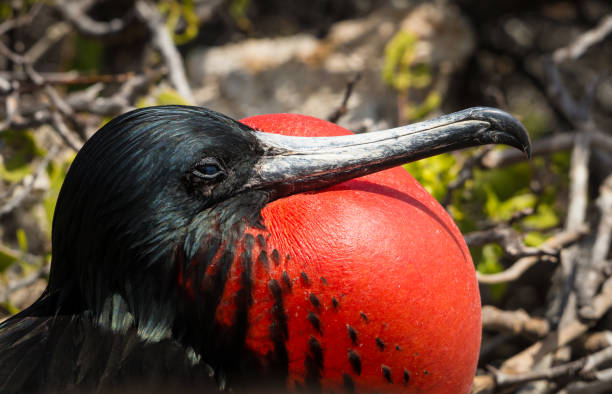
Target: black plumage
{"x":150,"y":202}
{"x":112,"y":311}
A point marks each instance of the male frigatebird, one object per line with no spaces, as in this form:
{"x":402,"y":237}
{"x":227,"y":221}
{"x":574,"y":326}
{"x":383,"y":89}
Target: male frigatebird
{"x":176,"y":260}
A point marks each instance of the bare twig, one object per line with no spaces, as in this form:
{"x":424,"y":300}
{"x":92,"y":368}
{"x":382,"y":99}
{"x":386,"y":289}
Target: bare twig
{"x":592,"y":274}
{"x":509,"y":239}
{"x":581,"y":368}
{"x":76,"y":13}
{"x":601,"y":384}
{"x":579,"y":177}
{"x":21,"y":193}
{"x":69,"y":78}
{"x":594,"y":342}
{"x":524,"y":360}
{"x":63,"y":131}
{"x":53,"y":34}
{"x":119,"y":102}
{"x":521,"y":265}
{"x":584,"y":41}
{"x":163,"y":42}
{"x":556,"y":143}
{"x":24,"y":282}
{"x":338,"y":113}
{"x":26,"y":19}
{"x":514,"y":322}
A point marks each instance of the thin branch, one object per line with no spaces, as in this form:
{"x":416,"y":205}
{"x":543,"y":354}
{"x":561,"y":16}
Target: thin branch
{"x":592,"y":275}
{"x":163,"y":42}
{"x":602,"y":384}
{"x":509,"y":239}
{"x":21,"y":193}
{"x":119,"y":102}
{"x":63,"y":131}
{"x":53,"y":34}
{"x":594,"y":342}
{"x":338,"y":113}
{"x":579,"y":177}
{"x":69,"y":77}
{"x":24,"y":282}
{"x":545,"y":146}
{"x":523,"y":264}
{"x":26,"y":19}
{"x":513,"y":322}
{"x":76,"y":13}
{"x":584,"y":41}
{"x":581,"y":368}
{"x":524,"y":360}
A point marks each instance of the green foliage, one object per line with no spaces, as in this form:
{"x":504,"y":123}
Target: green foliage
{"x":489,"y":263}
{"x":399,"y":71}
{"x":89,"y":54}
{"x":435,"y":173}
{"x":10,"y":308}
{"x":420,"y":111}
{"x":534,"y":238}
{"x":166,"y":96}
{"x":6,"y":11}
{"x":7,"y":258}
{"x":22,"y":240}
{"x":19,"y":149}
{"x":404,"y":73}
{"x":238,"y":10}
{"x":175,"y":11}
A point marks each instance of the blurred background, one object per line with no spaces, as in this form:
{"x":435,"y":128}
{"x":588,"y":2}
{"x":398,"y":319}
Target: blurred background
{"x":539,"y":230}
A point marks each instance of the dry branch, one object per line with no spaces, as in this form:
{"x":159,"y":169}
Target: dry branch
{"x":513,"y":322}
{"x":582,"y":368}
{"x":510,"y":241}
{"x":338,"y":113}
{"x":584,"y":41}
{"x":521,"y":265}
{"x":22,"y":192}
{"x":163,"y":42}
{"x":545,"y":146}
{"x":524,"y":361}
{"x":24,"y":282}
{"x":76,"y":13}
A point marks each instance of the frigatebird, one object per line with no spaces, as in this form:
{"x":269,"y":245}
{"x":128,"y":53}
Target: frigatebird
{"x":156,"y":234}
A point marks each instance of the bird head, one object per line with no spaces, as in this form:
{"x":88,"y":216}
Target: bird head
{"x":163,"y":203}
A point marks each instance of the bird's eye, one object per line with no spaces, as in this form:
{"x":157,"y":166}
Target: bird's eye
{"x":208,"y":169}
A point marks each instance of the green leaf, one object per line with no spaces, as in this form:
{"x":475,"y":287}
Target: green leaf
{"x":10,"y":308}
{"x":397,"y":71}
{"x":89,"y":54}
{"x":7,"y":258}
{"x":175,"y":11}
{"x":19,"y":150}
{"x":545,"y":217}
{"x":435,"y":173}
{"x":22,"y":240}
{"x":490,"y":264}
{"x":168,"y":97}
{"x":534,"y":238}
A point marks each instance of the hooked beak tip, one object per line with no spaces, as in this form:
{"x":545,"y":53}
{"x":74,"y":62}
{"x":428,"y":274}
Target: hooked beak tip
{"x":511,"y":131}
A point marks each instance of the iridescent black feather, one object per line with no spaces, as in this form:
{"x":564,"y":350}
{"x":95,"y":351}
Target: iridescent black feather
{"x":113,"y":311}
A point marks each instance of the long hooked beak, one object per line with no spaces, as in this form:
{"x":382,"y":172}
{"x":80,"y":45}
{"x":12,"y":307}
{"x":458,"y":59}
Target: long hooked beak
{"x":292,"y":165}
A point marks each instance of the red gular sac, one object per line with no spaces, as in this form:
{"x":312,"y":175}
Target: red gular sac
{"x":364,"y":286}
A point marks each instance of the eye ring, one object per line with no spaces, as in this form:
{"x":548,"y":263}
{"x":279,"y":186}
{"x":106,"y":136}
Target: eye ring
{"x":208,"y":169}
